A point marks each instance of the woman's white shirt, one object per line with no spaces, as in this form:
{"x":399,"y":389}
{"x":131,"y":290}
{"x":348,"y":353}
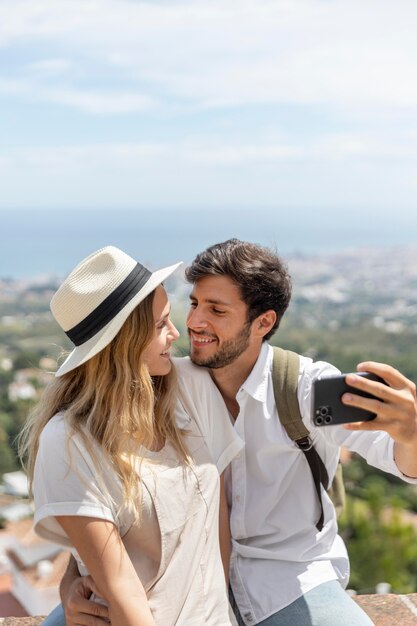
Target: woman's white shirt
{"x":175,"y":548}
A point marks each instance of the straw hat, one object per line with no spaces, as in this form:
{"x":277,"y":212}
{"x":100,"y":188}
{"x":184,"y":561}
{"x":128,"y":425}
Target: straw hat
{"x":97,"y":297}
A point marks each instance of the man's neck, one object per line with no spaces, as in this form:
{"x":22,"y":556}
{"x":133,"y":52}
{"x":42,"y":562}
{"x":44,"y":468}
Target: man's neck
{"x":230,"y":378}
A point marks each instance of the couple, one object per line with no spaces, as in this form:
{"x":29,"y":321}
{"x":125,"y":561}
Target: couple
{"x":140,"y":473}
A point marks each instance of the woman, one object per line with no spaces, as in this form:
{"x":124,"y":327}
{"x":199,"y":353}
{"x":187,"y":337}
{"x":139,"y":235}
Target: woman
{"x":119,"y":469}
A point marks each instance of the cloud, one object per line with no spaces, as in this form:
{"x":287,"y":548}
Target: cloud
{"x":339,"y":172}
{"x":77,"y":157}
{"x":219,"y":101}
{"x":99,"y":102}
{"x":213,"y":152}
{"x":96,"y":102}
{"x":45,"y":68}
{"x":226,"y":53}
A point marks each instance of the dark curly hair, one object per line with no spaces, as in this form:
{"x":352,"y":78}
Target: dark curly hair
{"x":258,"y":272}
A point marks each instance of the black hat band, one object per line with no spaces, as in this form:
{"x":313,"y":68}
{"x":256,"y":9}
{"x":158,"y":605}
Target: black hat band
{"x":110,"y":307}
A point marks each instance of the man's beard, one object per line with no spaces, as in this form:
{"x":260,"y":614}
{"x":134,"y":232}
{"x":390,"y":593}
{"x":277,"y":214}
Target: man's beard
{"x":229,"y":351}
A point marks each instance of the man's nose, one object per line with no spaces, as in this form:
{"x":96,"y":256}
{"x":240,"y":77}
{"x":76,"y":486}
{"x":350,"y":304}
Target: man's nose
{"x":195,"y":319}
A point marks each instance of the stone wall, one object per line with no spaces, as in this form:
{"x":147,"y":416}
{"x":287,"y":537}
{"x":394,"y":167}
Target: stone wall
{"x":391,"y":609}
{"x":20,"y":621}
{"x":384,"y":610}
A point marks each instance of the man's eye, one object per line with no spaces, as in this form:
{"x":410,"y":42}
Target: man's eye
{"x":218,"y":311}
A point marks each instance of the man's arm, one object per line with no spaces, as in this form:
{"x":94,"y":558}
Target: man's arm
{"x":395,"y":408}
{"x":75,"y":591}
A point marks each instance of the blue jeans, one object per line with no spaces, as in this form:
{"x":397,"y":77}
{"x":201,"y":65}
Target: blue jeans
{"x":325,"y":605}
{"x":56,"y":618}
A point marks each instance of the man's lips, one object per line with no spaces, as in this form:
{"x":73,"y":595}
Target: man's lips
{"x":201,"y":340}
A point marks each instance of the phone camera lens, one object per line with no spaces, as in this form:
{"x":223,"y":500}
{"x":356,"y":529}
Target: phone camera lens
{"x":324,"y":410}
{"x":319,"y":420}
{"x":328,"y":419}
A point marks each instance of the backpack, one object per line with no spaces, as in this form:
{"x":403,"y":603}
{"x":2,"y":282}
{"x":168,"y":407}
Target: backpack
{"x":285,"y":369}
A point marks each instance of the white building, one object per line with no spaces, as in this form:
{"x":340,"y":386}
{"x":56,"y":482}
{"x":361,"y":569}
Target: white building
{"x":36,"y":567}
{"x":15,"y":484}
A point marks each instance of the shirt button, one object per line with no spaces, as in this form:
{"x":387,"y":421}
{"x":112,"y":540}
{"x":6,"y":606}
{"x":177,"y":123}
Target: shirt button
{"x":248,"y":617}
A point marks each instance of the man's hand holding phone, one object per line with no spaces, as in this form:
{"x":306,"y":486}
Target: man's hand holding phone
{"x":328,"y":406}
{"x":393,"y":406}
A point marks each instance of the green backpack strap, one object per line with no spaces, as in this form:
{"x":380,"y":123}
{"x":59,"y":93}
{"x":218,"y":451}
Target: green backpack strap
{"x":285,"y":369}
{"x":337,"y":492}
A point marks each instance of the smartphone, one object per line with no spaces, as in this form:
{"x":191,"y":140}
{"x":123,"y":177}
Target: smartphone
{"x":327,"y":406}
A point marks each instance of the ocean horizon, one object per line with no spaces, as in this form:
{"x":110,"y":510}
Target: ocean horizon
{"x":37,"y":243}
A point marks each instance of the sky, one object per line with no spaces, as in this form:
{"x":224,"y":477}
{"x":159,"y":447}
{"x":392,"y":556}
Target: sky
{"x":288,"y":114}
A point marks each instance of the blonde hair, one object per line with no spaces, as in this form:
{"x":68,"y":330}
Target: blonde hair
{"x":112,"y":399}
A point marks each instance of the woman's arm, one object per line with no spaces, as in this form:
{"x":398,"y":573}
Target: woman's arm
{"x":100,"y":547}
{"x":224,"y":530}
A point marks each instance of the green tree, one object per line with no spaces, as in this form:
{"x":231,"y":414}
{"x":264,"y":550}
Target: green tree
{"x":381,"y":542}
{"x":8,"y":462}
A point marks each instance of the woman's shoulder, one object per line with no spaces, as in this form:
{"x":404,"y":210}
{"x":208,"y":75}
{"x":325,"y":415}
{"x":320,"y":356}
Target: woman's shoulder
{"x":55,"y":429}
{"x":58,"y":435}
{"x":186,"y":369}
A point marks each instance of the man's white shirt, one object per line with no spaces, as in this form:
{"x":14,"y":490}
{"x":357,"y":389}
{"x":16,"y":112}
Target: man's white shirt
{"x":277,"y":552}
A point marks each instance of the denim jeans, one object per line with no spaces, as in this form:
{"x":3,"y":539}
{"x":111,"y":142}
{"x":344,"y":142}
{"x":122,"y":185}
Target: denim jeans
{"x":56,"y":618}
{"x":325,"y":605}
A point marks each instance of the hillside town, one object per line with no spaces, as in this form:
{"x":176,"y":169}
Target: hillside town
{"x":377,"y":285}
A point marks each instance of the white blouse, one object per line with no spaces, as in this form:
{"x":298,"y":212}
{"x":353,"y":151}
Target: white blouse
{"x":175,"y":548}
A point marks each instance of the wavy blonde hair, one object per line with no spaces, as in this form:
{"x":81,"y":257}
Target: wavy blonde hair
{"x":112,"y":399}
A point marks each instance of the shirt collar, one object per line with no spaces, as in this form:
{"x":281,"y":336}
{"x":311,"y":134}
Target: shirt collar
{"x":256,"y":384}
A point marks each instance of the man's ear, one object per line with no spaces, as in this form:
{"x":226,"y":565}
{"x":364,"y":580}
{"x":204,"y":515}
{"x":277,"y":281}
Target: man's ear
{"x":264,"y":322}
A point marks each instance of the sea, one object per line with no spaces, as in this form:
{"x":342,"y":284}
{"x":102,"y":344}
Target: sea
{"x":51,"y":242}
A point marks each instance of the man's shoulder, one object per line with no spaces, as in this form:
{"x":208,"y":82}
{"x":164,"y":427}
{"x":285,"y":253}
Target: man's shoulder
{"x":316,"y":369}
{"x":307,"y":365}
{"x":312,"y":369}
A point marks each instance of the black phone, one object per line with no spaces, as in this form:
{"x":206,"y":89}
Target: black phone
{"x":327,"y":405}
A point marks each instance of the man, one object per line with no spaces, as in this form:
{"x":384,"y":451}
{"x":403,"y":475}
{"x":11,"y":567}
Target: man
{"x":283,"y":569}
